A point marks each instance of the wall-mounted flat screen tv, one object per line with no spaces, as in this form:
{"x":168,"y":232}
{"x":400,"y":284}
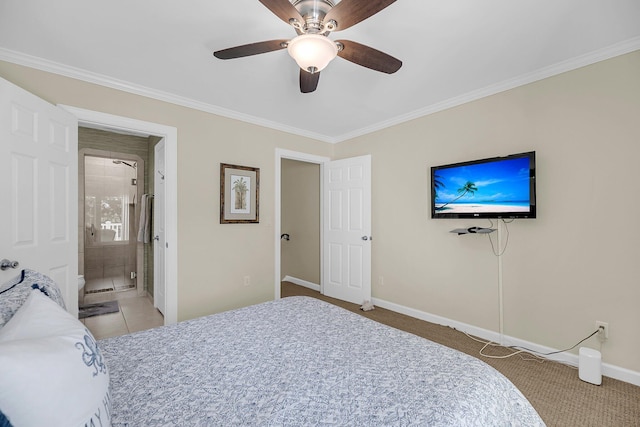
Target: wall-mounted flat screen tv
{"x":499,"y":187}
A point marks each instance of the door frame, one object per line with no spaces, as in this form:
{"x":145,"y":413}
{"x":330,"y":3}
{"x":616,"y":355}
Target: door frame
{"x":110,"y":122}
{"x":301,"y":157}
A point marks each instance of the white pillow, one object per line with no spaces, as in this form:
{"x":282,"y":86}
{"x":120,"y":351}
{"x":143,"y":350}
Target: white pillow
{"x":51,"y":370}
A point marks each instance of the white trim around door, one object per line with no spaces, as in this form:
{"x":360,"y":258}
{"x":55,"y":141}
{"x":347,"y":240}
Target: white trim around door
{"x":110,"y":122}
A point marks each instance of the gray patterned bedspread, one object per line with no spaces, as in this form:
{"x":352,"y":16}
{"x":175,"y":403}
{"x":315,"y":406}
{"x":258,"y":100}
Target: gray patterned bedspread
{"x":300,"y":361}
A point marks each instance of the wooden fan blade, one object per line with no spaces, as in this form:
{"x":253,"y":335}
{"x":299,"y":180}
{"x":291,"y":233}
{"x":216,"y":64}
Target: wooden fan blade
{"x":350,"y":12}
{"x":368,"y":57}
{"x":251,"y":49}
{"x":283,"y":10}
{"x":308,"y":81}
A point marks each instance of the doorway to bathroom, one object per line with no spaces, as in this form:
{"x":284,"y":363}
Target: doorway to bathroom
{"x":115,"y":250}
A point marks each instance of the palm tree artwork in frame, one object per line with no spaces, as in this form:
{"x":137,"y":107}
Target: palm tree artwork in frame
{"x":240,"y":191}
{"x":239,"y":194}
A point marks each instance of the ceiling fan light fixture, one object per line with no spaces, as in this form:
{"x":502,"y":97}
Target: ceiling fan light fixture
{"x":312,"y":52}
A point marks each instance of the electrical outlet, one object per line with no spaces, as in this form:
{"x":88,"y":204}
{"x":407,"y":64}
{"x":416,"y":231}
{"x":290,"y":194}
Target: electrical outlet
{"x":603,"y":335}
{"x":247,"y":280}
{"x":381,"y":281}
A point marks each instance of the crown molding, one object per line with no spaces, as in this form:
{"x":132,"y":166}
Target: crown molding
{"x":609,"y":52}
{"x":612,"y":51}
{"x":41,"y":64}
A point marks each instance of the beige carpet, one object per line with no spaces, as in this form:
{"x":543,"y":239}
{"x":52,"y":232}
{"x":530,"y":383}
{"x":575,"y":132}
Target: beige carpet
{"x":553,"y":389}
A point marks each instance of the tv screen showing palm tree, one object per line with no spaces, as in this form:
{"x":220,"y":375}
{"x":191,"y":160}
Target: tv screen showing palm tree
{"x":500,"y":187}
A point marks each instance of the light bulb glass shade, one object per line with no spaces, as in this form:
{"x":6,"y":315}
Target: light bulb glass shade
{"x":312,"y":52}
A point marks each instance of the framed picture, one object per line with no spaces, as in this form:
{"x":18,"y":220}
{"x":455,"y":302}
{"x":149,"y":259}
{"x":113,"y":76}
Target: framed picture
{"x":239,"y":194}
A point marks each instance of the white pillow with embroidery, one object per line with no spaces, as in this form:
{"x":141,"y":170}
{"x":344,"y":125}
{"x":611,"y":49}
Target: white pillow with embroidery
{"x":51,"y":370}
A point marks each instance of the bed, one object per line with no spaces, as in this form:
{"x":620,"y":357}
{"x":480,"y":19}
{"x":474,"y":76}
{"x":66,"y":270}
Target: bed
{"x":297,"y":361}
{"x":300,"y":361}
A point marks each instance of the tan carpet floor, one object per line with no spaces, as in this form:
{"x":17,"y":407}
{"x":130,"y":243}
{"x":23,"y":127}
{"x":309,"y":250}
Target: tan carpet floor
{"x":554,"y":389}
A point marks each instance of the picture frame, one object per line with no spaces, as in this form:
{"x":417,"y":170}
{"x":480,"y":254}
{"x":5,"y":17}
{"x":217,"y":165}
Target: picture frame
{"x":239,"y":194}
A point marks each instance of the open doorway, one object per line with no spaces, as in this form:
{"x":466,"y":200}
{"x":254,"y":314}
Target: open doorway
{"x":345,"y":223}
{"x":300,"y":222}
{"x":168,"y":134}
{"x":308,"y":165}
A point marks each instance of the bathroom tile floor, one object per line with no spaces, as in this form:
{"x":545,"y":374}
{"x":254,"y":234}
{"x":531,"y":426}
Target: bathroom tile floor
{"x":137,"y":313}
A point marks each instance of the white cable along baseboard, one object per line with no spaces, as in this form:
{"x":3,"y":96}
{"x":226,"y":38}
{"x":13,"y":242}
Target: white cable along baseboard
{"x":608,"y":370}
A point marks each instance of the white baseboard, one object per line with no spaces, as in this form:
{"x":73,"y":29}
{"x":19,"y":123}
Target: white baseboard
{"x":301,"y":282}
{"x":608,"y":370}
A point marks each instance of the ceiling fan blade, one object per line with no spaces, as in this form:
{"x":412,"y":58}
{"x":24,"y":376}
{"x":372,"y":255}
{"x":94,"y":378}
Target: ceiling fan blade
{"x":308,"y":81}
{"x":349,"y":12}
{"x":368,"y":57}
{"x":283,"y":9}
{"x":251,"y":49}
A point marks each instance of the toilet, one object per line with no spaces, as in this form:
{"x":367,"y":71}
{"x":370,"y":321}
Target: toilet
{"x":81,"y":283}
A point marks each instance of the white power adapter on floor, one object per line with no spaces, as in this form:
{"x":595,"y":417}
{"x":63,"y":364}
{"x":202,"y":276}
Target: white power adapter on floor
{"x":590,"y":366}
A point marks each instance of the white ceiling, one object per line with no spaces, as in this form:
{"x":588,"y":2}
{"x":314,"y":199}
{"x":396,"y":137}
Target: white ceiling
{"x":453,"y":51}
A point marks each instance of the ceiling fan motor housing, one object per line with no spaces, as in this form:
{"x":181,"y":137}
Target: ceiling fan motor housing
{"x":314,"y":21}
{"x":313,"y":12}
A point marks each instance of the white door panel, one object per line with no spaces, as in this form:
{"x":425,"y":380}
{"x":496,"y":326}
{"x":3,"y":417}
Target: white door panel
{"x":347,"y":213}
{"x":38,"y":161}
{"x":159,"y":249}
{"x":335,"y":263}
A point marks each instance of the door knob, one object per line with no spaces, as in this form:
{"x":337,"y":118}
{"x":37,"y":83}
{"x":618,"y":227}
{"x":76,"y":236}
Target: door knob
{"x":5,"y":264}
{"x":365,"y":238}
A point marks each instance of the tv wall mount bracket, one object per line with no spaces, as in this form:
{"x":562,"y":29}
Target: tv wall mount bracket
{"x":473,"y":230}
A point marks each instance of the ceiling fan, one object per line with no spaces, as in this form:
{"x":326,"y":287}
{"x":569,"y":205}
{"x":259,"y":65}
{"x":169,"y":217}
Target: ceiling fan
{"x":313,"y":21}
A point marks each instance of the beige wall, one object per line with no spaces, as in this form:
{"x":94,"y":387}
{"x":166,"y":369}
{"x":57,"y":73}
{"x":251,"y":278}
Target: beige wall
{"x":575,"y":264}
{"x":213,"y":258}
{"x":300,"y":218}
{"x":578,"y":262}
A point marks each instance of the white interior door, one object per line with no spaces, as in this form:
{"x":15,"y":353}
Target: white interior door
{"x":160,"y":245}
{"x":347,"y":229}
{"x":39,"y":169}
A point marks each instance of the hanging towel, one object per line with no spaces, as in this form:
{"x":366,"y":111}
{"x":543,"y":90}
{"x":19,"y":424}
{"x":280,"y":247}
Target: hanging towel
{"x":143,"y":217}
{"x":148,"y":225}
{"x":144,"y":227}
